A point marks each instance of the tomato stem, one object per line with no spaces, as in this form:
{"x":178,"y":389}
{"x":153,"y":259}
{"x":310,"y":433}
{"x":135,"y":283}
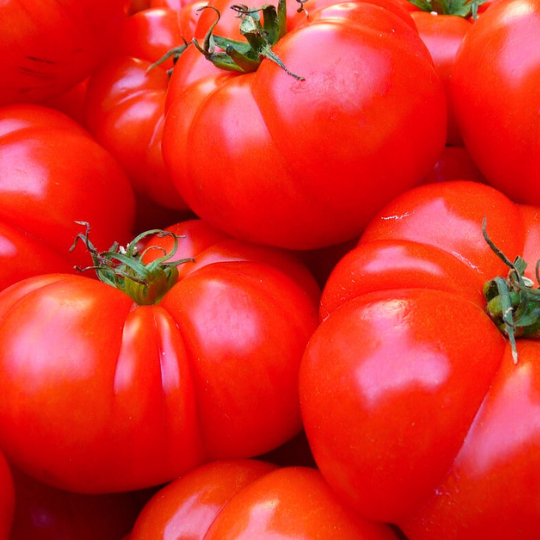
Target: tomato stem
{"x":246,"y":56}
{"x":122,"y":267}
{"x":460,"y":8}
{"x":513,"y":303}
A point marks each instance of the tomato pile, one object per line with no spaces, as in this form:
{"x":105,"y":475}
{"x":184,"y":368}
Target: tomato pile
{"x":270,"y":271}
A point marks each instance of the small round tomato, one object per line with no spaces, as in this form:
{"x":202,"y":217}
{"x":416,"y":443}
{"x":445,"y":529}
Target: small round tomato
{"x":125,"y":387}
{"x":233,"y":500}
{"x":125,"y":100}
{"x":52,"y":174}
{"x":495,"y":95}
{"x":418,"y":406}
{"x":443,"y":35}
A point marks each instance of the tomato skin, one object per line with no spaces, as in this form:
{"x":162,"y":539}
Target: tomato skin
{"x":124,"y":103}
{"x":292,"y":136}
{"x":144,"y":393}
{"x":149,"y":34}
{"x":495,"y":95}
{"x":7,"y":499}
{"x":42,"y":193}
{"x":413,"y":407}
{"x":251,"y":499}
{"x":49,"y":46}
{"x":443,"y":35}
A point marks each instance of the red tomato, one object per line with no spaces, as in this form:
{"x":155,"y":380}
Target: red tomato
{"x":124,"y":107}
{"x":7,"y":499}
{"x":305,"y":163}
{"x":114,"y":395}
{"x":52,"y":173}
{"x":412,"y":403}
{"x":442,"y":35}
{"x":46,"y":513}
{"x":496,"y":94}
{"x":235,"y":500}
{"x":48,"y":46}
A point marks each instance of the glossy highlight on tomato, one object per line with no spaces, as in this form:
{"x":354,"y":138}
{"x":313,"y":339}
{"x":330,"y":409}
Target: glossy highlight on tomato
{"x":117,"y":394}
{"x":304,"y":162}
{"x":232,"y":500}
{"x":416,"y":408}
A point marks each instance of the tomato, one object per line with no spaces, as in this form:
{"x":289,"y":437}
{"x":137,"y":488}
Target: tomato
{"x":7,"y":499}
{"x":305,"y":163}
{"x":43,"y":192}
{"x":114,"y":392}
{"x":496,"y":95}
{"x":251,"y":499}
{"x":124,"y":107}
{"x":46,"y":513}
{"x":417,"y":408}
{"x":48,"y":46}
{"x":443,"y":35}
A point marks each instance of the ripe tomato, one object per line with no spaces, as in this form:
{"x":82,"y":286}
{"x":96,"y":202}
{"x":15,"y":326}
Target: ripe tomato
{"x":443,"y":35}
{"x":230,"y":500}
{"x":52,"y":173}
{"x":414,"y":407}
{"x":48,"y":46}
{"x":496,"y":94}
{"x":116,"y":394}
{"x":305,"y":163}
{"x":124,"y":107}
{"x":7,"y":499}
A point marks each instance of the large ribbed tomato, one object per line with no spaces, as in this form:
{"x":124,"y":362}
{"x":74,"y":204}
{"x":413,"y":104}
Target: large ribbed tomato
{"x":105,"y":391}
{"x":303,"y":158}
{"x":417,"y":409}
{"x":241,"y":499}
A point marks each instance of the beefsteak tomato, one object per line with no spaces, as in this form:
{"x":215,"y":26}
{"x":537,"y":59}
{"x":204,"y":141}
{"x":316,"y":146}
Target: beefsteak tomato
{"x":418,"y":409}
{"x":303,"y":157}
{"x":111,"y":390}
{"x":233,"y":500}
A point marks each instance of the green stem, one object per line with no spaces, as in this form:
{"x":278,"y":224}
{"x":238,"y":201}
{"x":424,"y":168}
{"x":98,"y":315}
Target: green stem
{"x":123,"y":268}
{"x":246,"y":56}
{"x":513,"y":303}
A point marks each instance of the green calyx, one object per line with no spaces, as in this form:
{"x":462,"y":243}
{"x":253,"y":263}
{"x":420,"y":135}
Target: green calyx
{"x":124,"y":269}
{"x":246,"y":56}
{"x":460,"y":8}
{"x":513,"y":303}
